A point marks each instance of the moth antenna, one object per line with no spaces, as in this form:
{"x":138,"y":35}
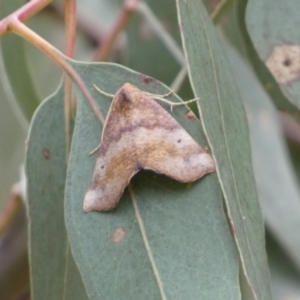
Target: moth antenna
{"x":172,"y":104}
{"x":96,"y":149}
{"x":160,"y":96}
{"x":103,"y":93}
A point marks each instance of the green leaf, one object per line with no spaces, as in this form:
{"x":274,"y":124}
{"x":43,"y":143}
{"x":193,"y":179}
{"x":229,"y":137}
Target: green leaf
{"x":237,"y":31}
{"x":273,"y":27}
{"x":12,"y":137}
{"x":153,"y":32}
{"x":50,"y":257}
{"x":285,"y":278}
{"x":177,"y":243}
{"x":144,"y":42}
{"x":16,"y":65}
{"x":275,"y":181}
{"x":224,"y":121}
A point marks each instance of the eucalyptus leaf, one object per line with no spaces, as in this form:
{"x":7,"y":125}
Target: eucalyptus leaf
{"x":285,"y":277}
{"x":16,"y":65}
{"x":238,"y":34}
{"x":277,"y":42}
{"x":144,"y":43}
{"x":225,"y":124}
{"x":175,"y":244}
{"x":11,"y":146}
{"x":277,"y":184}
{"x":49,"y":252}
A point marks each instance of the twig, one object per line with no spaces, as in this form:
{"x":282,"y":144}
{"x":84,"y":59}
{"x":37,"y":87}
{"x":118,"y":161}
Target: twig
{"x":12,"y":207}
{"x":162,"y":33}
{"x":70,"y":18}
{"x":13,"y":24}
{"x":176,"y":84}
{"x":23,"y":13}
{"x":220,"y":10}
{"x":126,"y":13}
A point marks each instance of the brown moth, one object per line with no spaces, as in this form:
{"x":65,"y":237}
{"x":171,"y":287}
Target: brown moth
{"x":140,"y":134}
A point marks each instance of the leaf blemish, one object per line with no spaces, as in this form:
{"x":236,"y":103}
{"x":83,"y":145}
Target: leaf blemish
{"x":118,"y":235}
{"x":46,"y":153}
{"x":232,"y":226}
{"x":287,"y":62}
{"x":284,"y":63}
{"x":146,"y":79}
{"x":189,"y":115}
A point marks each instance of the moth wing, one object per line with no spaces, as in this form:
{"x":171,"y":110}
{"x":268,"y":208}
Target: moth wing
{"x":176,"y":155}
{"x":162,"y":145}
{"x":112,"y":174}
{"x":116,"y":162}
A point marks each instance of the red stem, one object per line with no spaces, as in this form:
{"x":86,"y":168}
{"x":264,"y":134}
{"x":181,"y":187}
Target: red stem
{"x":23,"y":13}
{"x":125,"y":15}
{"x":22,"y":30}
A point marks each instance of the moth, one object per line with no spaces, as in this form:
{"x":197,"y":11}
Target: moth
{"x":140,"y":134}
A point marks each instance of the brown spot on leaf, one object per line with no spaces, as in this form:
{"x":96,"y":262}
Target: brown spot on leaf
{"x":284,"y":63}
{"x":46,"y":153}
{"x":146,"y":79}
{"x":118,"y":235}
{"x":190,"y":116}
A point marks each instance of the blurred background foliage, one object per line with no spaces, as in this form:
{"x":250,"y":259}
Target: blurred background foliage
{"x":28,"y":76}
